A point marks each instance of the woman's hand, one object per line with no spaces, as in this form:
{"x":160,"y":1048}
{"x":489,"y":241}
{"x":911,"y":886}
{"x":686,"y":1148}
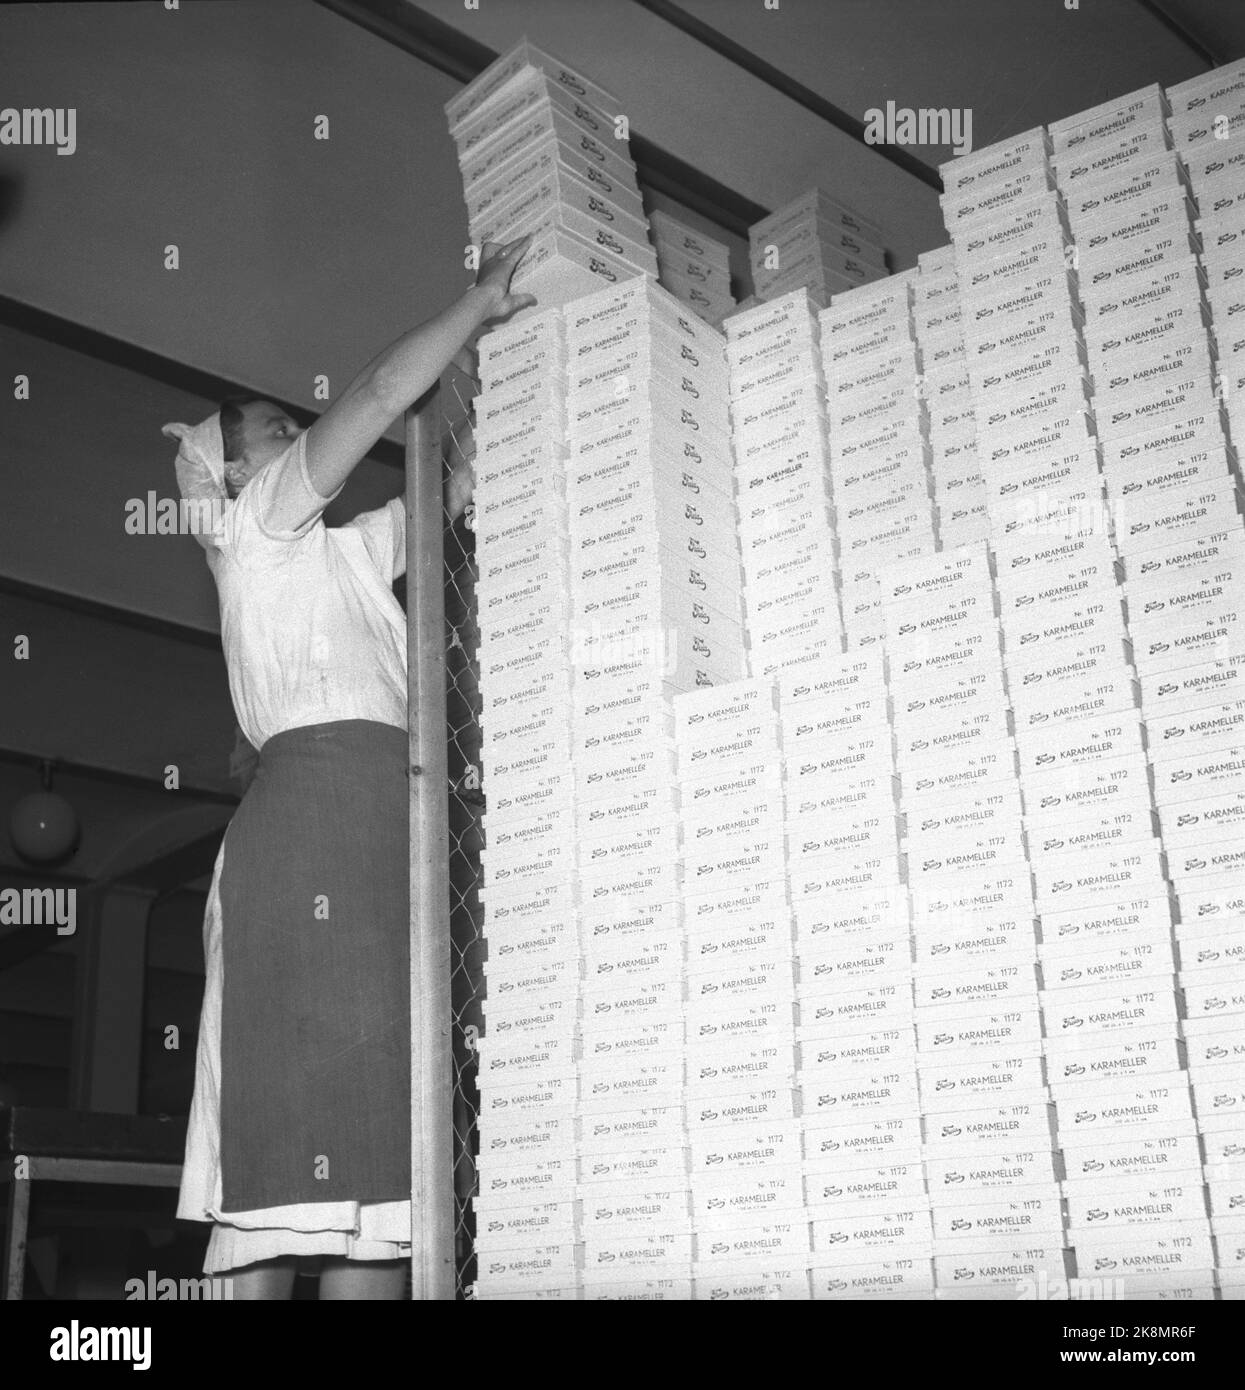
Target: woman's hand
{"x":497,"y":266}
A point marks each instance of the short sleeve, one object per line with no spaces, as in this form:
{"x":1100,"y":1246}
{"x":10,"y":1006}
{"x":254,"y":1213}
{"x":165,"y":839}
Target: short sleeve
{"x":285,"y":477}
{"x":384,"y":534}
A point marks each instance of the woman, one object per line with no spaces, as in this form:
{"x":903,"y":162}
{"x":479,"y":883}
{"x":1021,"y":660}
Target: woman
{"x":299,"y":1135}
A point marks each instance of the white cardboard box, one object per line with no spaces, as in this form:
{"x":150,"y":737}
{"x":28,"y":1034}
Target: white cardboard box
{"x":1195,"y":776}
{"x":1192,"y":687}
{"x":1090,"y":1009}
{"x":1204,"y":90}
{"x":1174,"y":1249}
{"x":963,"y":775}
{"x":1163,"y":1106}
{"x":544,"y":121}
{"x":1123,"y":822}
{"x":955,"y":1177}
{"x":1013,"y":1032}
{"x":1163,"y":279}
{"x":1043,"y":251}
{"x":827,"y":1060}
{"x":959,"y":1086}
{"x":1096,"y":925}
{"x":987,"y":1129}
{"x":1215,"y":728}
{"x":1109,"y":155}
{"x":970,"y":206}
{"x":495,"y":83}
{"x":1144,"y":107}
{"x":1060,"y":433}
{"x":1009,"y":939}
{"x":1133,"y":1204}
{"x":1113,"y":280}
{"x":1162,"y":521}
{"x":1024,"y":226}
{"x":1193,"y":469}
{"x":1071,"y":880}
{"x":1080,"y":1065}
{"x":1197,"y":636}
{"x":1007,"y":983}
{"x":1110,"y":232}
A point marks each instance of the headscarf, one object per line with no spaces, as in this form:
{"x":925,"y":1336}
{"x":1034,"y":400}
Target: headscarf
{"x":200,"y":463}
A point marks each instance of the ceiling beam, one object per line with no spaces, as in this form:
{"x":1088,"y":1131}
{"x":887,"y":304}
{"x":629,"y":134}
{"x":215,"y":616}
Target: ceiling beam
{"x":443,"y":47}
{"x":782,"y":82}
{"x":109,"y":613}
{"x":93,"y":772}
{"x":117,"y":352}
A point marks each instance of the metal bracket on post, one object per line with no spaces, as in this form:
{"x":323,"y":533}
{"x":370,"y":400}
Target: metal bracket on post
{"x":432,"y":1156}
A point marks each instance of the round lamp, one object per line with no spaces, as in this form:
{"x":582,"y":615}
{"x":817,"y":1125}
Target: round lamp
{"x":43,"y":826}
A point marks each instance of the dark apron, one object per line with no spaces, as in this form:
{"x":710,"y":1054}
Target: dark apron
{"x":315,"y":1026}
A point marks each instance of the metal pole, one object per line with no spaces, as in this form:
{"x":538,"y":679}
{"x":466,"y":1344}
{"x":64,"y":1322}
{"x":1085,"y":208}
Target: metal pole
{"x":432,"y":1157}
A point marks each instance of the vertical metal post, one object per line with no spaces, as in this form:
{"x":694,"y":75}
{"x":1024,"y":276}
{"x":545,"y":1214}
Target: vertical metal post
{"x":432,"y":1158}
{"x":108,"y":1035}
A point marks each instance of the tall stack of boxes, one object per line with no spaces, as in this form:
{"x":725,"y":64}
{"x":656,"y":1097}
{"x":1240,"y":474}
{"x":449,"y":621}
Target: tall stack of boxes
{"x":526,"y":1228}
{"x":1067,"y":680}
{"x":746,"y":1181}
{"x":815,"y":244}
{"x":1169,"y":478}
{"x":1207,"y":117}
{"x":693,"y":267}
{"x":782,"y":484}
{"x":996,"y":1217}
{"x":655,"y":609}
{"x":865,"y":1193}
{"x":539,"y":154}
{"x":913,"y":969}
{"x":1209,"y":932}
{"x":1079,"y":748}
{"x":958,"y":482}
{"x":879,"y":460}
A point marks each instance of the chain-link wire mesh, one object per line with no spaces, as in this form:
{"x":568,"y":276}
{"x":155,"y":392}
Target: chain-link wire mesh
{"x":466,"y":808}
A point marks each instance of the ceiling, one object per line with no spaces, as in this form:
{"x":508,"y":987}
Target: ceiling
{"x":301,"y":257}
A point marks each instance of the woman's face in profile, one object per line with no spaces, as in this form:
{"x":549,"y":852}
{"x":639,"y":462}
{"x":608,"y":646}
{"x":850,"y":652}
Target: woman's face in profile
{"x":267,"y":432}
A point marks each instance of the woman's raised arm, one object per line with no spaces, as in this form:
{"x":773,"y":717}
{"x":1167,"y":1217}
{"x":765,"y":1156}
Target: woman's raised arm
{"x":396,"y":377}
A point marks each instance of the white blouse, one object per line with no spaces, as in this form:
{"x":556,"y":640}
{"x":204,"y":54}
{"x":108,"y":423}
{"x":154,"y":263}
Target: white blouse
{"x":311,"y":629}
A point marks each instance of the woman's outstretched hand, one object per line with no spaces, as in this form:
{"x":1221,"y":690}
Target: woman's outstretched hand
{"x":497,"y":266}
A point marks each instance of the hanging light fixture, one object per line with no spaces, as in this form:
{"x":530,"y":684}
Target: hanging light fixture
{"x":43,"y":826}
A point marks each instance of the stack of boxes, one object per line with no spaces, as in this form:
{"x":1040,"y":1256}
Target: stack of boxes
{"x":994,"y":1198}
{"x":1169,"y":477}
{"x":865,"y":1192}
{"x":1069,"y":683}
{"x":782,"y":485}
{"x":959,"y":486}
{"x":526,"y":1228}
{"x":539,"y":153}
{"x":1078,"y":736}
{"x":816,"y":244}
{"x":1023,"y":350}
{"x":746,"y":1181}
{"x":693,"y":267}
{"x":879,"y":461}
{"x":1207,"y":117}
{"x":655,"y":609}
{"x":1108,"y":988}
{"x":1202,"y":831}
{"x":755,"y":1027}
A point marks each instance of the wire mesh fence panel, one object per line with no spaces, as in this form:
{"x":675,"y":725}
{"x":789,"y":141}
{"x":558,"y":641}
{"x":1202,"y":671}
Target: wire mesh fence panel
{"x":466,"y":808}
